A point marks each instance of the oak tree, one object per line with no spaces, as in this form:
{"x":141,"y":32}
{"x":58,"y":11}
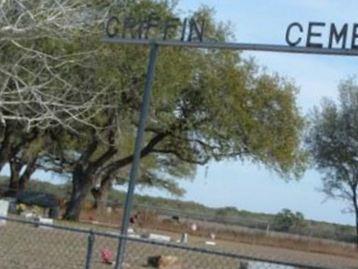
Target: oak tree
{"x":333,"y":143}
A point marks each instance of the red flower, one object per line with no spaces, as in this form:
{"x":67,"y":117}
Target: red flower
{"x":107,"y":256}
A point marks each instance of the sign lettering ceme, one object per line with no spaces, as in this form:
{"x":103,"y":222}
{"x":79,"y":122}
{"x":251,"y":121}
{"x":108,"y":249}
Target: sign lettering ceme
{"x":310,"y":35}
{"x":322,"y":35}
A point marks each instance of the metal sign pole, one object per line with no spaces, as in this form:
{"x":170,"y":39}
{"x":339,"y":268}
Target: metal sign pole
{"x":137,"y":154}
{"x":237,"y":46}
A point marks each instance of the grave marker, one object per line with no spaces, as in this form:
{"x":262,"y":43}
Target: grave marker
{"x":4,"y":208}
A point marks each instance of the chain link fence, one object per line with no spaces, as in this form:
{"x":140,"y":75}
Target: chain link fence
{"x":225,"y":219}
{"x":31,"y":245}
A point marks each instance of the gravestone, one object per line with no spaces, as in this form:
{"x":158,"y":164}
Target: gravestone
{"x":12,"y":205}
{"x":194,"y":227}
{"x":4,"y":208}
{"x":45,"y":221}
{"x":28,"y":215}
{"x":158,"y":237}
{"x":184,"y":238}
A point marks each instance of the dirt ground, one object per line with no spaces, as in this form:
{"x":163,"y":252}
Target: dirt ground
{"x":227,"y":233}
{"x":277,"y":254}
{"x":28,"y":247}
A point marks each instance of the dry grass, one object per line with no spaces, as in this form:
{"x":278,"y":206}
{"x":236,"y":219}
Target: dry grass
{"x":28,"y":247}
{"x":25,"y":246}
{"x":234,"y":233}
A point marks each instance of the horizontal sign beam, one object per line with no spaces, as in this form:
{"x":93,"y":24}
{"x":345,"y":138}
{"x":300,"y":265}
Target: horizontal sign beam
{"x":235,"y":46}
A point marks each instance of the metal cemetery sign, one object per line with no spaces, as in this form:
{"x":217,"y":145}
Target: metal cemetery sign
{"x":130,"y":27}
{"x":155,"y":32}
{"x":338,"y":37}
{"x":306,"y":39}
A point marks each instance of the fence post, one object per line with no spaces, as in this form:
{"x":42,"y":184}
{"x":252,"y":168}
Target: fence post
{"x":243,"y":265}
{"x":90,"y":244}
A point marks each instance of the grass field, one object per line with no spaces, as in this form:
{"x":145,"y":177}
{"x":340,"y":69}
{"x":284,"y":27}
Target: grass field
{"x":233,"y":236}
{"x":30,"y":247}
{"x":25,"y":246}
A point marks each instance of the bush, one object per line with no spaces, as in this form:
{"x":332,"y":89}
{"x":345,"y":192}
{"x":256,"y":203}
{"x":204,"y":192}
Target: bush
{"x":226,"y":212}
{"x":286,"y":221}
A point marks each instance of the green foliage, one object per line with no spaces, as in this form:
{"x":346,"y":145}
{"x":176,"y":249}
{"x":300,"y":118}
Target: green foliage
{"x":226,"y":211}
{"x":207,"y":105}
{"x":333,"y":143}
{"x":288,"y":221}
{"x":211,"y":104}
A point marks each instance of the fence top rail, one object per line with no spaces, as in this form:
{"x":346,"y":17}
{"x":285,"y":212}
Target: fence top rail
{"x":54,"y":226}
{"x":235,"y":46}
{"x":158,"y":243}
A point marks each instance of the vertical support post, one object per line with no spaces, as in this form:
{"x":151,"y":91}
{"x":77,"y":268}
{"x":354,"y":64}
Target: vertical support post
{"x":243,"y":265}
{"x":137,"y":154}
{"x":90,"y":244}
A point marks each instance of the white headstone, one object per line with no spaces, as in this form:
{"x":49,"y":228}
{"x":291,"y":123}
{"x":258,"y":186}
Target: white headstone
{"x":184,"y":238}
{"x":159,"y":237}
{"x":137,"y":236}
{"x":28,"y":215}
{"x":45,"y":221}
{"x":4,"y":208}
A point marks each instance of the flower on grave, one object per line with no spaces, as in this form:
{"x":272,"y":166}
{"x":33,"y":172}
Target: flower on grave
{"x":106,"y":256}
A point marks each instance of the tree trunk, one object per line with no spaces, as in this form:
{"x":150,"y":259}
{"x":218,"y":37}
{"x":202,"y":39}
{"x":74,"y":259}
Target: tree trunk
{"x":100,"y":195}
{"x":25,"y":177}
{"x":4,"y":153}
{"x":15,"y":169}
{"x":355,"y":204}
{"x":5,"y":147}
{"x":82,"y":183}
{"x":357,"y":228}
{"x":23,"y":182}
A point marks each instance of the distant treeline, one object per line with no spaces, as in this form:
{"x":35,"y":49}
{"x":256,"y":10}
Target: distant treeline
{"x":196,"y":211}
